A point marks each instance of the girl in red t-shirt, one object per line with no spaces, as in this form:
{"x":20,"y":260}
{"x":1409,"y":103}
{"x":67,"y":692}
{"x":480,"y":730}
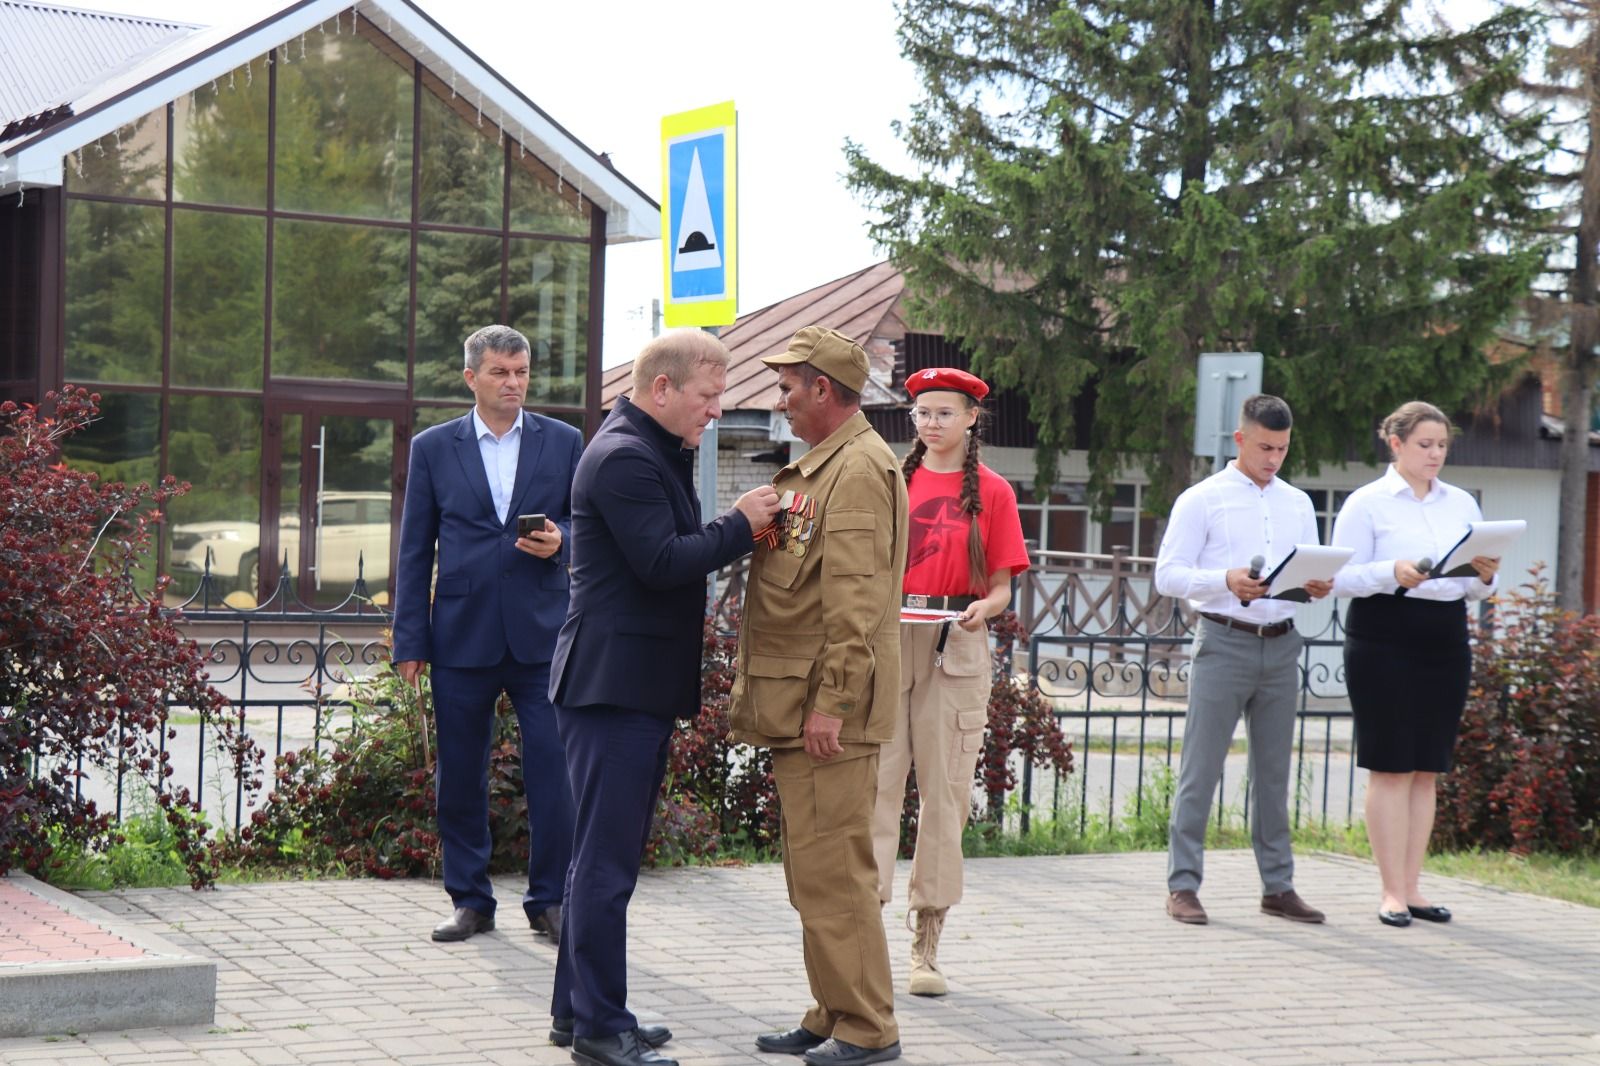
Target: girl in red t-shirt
{"x":964,"y":546}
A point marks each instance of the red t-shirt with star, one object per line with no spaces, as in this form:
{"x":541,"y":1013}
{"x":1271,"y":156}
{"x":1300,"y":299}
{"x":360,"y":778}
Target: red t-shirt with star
{"x":936,"y":555}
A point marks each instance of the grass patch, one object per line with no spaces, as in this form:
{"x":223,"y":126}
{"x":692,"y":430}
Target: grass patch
{"x":1142,"y":826}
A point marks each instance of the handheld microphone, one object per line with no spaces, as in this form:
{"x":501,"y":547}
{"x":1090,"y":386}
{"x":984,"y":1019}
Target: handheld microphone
{"x":1424,"y":564}
{"x":1257,"y":564}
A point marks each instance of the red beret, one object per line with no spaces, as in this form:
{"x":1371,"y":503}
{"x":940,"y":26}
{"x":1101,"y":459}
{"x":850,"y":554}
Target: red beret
{"x":948,"y":379}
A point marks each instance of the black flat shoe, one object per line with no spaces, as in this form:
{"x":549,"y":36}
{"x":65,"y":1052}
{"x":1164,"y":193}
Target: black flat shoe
{"x":796,"y":1041}
{"x":623,"y":1049}
{"x":1398,"y":919}
{"x":1430,"y":914}
{"x":838,"y":1052}
{"x":463,"y":923}
{"x":547,"y":923}
{"x":653,"y":1035}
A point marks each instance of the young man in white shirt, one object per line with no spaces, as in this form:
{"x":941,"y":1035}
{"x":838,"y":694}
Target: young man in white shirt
{"x":1246,"y":654}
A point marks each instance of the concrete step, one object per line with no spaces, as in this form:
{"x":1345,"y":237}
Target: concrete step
{"x":68,"y":966}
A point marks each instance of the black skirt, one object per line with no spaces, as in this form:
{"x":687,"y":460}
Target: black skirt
{"x":1407,"y":665}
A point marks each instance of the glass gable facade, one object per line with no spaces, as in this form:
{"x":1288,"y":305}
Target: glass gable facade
{"x":269,"y":280}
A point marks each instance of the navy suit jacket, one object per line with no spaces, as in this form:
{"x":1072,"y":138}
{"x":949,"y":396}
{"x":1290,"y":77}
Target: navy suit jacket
{"x":489,"y":596}
{"x":640,"y":556}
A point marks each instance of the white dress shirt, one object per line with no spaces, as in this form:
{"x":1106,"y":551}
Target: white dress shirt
{"x":1222,"y":523}
{"x":500,"y":456}
{"x":1384,"y":521}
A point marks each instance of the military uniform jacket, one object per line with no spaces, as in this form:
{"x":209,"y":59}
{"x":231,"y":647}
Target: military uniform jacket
{"x":821,"y":627}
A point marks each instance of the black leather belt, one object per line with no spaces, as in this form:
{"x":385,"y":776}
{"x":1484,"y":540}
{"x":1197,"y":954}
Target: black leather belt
{"x":1265,"y":632}
{"x":940,"y":603}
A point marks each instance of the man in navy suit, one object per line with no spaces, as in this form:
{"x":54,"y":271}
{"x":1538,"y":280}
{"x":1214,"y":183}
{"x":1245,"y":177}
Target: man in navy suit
{"x":491,"y":625}
{"x":627,"y":665}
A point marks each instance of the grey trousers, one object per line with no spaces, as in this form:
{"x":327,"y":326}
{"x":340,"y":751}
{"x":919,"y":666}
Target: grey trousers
{"x":1233,"y":673}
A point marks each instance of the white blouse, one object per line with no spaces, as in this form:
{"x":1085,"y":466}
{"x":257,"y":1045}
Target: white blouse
{"x":1384,"y":521}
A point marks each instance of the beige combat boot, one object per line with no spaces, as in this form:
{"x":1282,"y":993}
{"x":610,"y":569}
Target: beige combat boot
{"x":926,"y":977}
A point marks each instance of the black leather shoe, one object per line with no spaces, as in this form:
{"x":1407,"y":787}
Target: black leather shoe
{"x":1430,"y":914}
{"x":463,"y":923}
{"x":1398,"y":919}
{"x":623,"y":1049}
{"x":547,"y":923}
{"x":654,"y":1035}
{"x":796,"y":1041}
{"x":838,"y":1052}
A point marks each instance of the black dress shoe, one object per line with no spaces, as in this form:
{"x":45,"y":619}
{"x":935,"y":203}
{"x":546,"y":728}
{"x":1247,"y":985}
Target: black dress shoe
{"x":1430,"y":914}
{"x":838,"y":1052}
{"x":796,"y":1041}
{"x":547,"y":923}
{"x":1398,"y":919}
{"x":654,"y":1035}
{"x":622,"y":1049}
{"x":463,"y":923}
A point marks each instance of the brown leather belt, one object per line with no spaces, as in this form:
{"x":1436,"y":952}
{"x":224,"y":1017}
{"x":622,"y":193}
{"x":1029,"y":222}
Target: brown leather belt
{"x":1265,"y":632}
{"x":940,"y":603}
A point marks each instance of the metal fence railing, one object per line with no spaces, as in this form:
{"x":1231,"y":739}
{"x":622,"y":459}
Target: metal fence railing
{"x":1109,"y":655}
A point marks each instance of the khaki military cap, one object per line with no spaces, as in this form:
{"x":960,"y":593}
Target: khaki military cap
{"x":831,"y":352}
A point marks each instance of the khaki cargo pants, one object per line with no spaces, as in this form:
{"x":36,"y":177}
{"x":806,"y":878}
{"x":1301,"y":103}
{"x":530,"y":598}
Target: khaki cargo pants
{"x":943,"y":710}
{"x":827,"y":863}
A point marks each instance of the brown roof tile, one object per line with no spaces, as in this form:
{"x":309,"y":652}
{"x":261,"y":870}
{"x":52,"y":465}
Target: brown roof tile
{"x":865,"y":305}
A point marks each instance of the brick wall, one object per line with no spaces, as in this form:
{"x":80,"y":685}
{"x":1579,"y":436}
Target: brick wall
{"x":737,"y":475}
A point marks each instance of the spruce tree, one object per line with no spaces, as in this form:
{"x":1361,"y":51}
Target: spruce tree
{"x":1107,"y":188}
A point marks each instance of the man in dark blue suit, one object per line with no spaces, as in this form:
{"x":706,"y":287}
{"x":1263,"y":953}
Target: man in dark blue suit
{"x":627,"y":665}
{"x":491,"y":625}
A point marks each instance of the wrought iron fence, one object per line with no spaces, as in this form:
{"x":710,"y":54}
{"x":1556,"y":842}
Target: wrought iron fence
{"x":1110,"y":655}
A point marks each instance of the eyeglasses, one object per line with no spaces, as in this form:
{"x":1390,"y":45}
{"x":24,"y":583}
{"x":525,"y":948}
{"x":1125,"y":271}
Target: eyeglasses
{"x":921,"y":416}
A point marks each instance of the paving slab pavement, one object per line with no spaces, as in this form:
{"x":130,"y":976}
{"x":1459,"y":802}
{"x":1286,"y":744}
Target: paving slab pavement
{"x":1051,"y":960}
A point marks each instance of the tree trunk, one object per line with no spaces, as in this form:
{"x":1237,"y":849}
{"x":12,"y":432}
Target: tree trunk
{"x":1578,"y":375}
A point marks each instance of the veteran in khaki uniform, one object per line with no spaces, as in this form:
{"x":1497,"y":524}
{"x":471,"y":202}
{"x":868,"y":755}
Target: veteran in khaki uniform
{"x":818,"y":683}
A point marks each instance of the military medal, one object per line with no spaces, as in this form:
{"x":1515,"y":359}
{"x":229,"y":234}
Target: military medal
{"x":770,"y":535}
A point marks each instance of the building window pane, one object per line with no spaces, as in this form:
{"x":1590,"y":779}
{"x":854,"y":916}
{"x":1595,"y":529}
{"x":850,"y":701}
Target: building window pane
{"x":463,"y":168}
{"x":344,"y":127}
{"x":219,"y":140}
{"x":428,"y":417}
{"x":1117,"y":533}
{"x":339,"y":301}
{"x":458,"y":292}
{"x":132,"y":161}
{"x":215,"y":445}
{"x":218,"y":298}
{"x":115,"y":273}
{"x":549,"y":293}
{"x":122,"y":444}
{"x":1068,"y":530}
{"x":543,"y":202}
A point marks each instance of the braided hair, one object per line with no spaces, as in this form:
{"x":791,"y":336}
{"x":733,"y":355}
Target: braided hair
{"x":971,"y":498}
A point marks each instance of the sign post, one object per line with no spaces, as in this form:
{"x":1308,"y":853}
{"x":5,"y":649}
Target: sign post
{"x":1225,"y":380}
{"x":699,"y":186}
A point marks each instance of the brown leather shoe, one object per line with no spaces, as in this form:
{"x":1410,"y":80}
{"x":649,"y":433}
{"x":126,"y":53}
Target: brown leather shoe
{"x":1184,"y":906}
{"x":1289,"y":905}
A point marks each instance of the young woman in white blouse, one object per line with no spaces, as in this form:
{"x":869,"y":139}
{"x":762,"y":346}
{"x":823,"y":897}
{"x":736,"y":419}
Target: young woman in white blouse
{"x":1407,"y":661}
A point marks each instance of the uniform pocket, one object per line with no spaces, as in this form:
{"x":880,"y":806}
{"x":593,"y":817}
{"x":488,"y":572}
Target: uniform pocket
{"x":780,"y":568}
{"x":778,"y":688}
{"x":844,"y":791}
{"x":850,"y":550}
{"x":966,"y":744}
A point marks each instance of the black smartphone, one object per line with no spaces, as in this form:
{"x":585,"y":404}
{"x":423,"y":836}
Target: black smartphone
{"x":529,"y":523}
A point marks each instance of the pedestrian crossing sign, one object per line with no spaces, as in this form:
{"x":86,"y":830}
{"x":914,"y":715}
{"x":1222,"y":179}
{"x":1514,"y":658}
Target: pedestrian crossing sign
{"x":699,"y":177}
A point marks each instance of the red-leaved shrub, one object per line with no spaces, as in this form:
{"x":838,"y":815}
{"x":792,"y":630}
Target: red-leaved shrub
{"x":88,"y":663}
{"x":1527,"y":761}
